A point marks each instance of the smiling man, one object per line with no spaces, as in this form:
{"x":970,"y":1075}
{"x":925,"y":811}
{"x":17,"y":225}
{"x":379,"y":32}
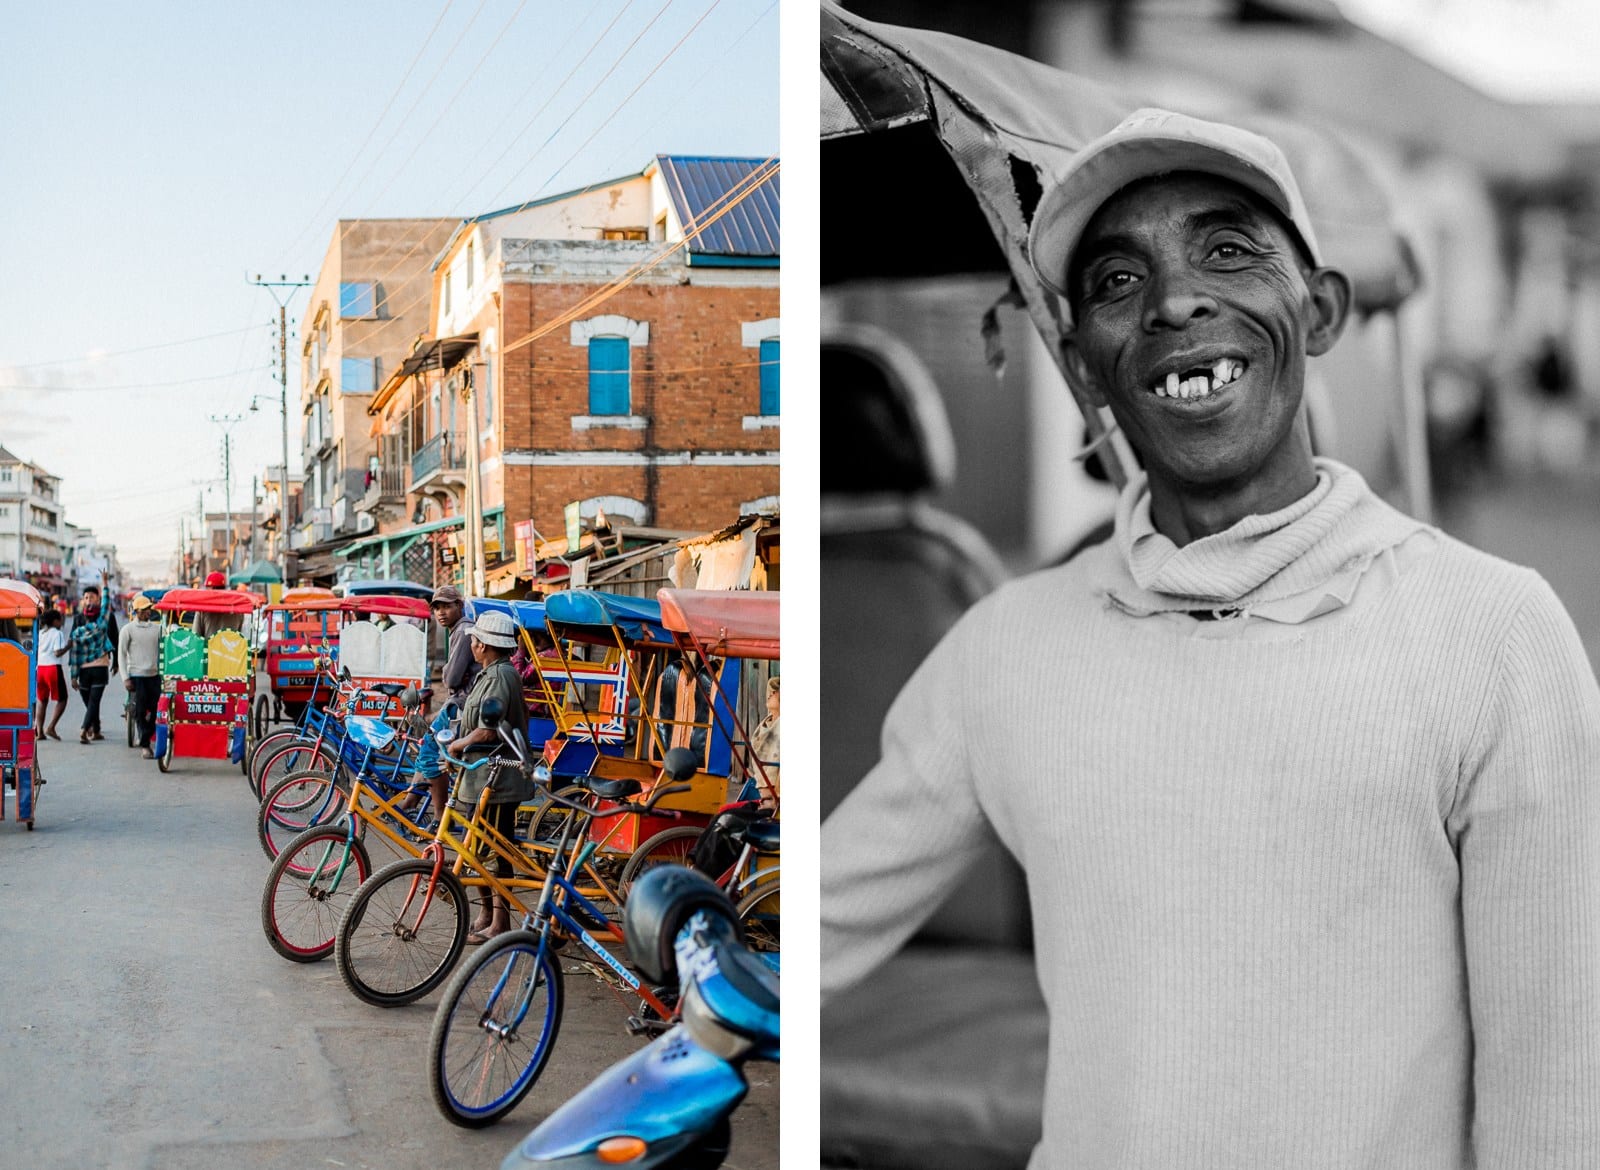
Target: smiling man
{"x":1309,"y":801}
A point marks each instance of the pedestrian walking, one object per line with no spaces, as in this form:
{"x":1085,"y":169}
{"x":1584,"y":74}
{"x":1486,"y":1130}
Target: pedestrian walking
{"x":52,"y":673}
{"x":139,"y":654}
{"x":92,"y":658}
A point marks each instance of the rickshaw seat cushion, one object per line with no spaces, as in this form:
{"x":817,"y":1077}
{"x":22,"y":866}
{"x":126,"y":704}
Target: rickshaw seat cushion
{"x":936,"y":1062}
{"x":367,"y":732}
{"x":611,"y":789}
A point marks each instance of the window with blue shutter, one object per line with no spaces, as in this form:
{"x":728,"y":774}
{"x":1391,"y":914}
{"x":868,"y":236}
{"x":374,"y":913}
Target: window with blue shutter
{"x":358,"y":299}
{"x":608,"y":375}
{"x":358,"y":375}
{"x":769,"y":377}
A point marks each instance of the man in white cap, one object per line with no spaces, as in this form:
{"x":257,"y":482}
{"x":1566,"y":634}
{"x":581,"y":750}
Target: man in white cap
{"x":493,"y":639}
{"x":1310,"y":802}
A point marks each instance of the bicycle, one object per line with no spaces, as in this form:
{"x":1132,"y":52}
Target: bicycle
{"x":499,"y":1017}
{"x":406,"y":927}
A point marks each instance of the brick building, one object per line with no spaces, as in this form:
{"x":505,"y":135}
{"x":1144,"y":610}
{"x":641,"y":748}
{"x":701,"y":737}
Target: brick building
{"x":617,"y":360}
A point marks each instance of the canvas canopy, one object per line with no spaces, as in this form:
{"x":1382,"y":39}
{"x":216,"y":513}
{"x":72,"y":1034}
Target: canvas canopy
{"x":738,"y":624}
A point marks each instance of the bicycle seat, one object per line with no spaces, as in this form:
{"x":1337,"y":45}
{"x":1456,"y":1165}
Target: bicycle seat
{"x":762,"y":836}
{"x":392,"y":689}
{"x":734,"y":991}
{"x":611,"y":789}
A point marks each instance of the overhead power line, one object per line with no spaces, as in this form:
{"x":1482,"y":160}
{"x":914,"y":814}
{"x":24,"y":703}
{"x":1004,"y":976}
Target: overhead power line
{"x":137,"y":349}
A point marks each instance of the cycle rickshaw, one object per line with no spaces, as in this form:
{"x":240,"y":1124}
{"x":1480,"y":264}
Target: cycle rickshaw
{"x":20,"y":604}
{"x":206,"y":683}
{"x":301,"y":626}
{"x":375,"y":649}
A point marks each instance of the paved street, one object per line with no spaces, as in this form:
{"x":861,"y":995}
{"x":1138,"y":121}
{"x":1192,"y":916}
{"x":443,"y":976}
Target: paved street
{"x":147,"y":1024}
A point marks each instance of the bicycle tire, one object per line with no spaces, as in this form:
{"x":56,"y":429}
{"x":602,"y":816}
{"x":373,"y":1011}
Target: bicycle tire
{"x":386,"y":953}
{"x":463,"y":1056}
{"x":668,"y":847}
{"x":300,"y":801}
{"x":259,"y":717}
{"x":548,"y":816}
{"x":268,"y":742}
{"x":298,"y":756}
{"x":301,"y":917}
{"x":758,"y":917}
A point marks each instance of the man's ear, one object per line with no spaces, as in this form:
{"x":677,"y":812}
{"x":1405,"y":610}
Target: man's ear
{"x":1330,"y":308}
{"x":1078,"y":370}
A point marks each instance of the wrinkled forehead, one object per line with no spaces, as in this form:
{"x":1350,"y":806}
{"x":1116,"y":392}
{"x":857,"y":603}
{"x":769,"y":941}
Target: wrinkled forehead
{"x":1182,"y":201}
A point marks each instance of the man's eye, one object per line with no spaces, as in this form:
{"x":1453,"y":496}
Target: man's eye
{"x":1114,"y":281}
{"x":1228,"y":250}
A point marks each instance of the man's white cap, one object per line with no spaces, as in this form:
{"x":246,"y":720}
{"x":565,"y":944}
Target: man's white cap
{"x":1152,"y":142}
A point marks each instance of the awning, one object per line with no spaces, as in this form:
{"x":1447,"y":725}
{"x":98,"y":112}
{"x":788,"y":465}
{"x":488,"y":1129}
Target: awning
{"x":415,"y":531}
{"x":438,"y":354}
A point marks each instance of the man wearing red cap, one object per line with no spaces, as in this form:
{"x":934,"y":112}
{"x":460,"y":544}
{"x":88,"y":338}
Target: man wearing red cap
{"x":1310,"y":809}
{"x":206,"y":624}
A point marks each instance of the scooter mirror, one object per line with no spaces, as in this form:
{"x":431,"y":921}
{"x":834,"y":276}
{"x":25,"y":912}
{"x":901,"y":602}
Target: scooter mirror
{"x":490,"y":712}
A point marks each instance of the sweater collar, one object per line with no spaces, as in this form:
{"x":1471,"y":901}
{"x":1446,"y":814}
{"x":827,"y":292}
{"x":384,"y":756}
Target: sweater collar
{"x":1288,"y":565}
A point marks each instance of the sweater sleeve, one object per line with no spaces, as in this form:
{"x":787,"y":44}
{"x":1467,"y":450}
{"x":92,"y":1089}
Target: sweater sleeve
{"x":898,"y":844}
{"x":1527,"y":827}
{"x":122,"y":650}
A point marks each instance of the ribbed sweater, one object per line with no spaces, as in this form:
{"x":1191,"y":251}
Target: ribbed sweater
{"x":1321,"y":891}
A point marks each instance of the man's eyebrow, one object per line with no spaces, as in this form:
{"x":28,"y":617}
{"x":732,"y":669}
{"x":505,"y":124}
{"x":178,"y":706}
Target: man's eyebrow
{"x":1229,"y":214}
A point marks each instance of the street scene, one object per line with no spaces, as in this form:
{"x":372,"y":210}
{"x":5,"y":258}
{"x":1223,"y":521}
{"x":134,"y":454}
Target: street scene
{"x":1153,"y":811}
{"x":390,"y":589}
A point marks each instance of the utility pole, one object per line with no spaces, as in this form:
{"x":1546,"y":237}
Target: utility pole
{"x":475,"y":575}
{"x":283,"y":390}
{"x":227,"y":422}
{"x":253,"y":519}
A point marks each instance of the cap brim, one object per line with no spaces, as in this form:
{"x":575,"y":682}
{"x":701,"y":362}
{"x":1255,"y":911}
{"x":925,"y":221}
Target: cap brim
{"x":1067,"y":208}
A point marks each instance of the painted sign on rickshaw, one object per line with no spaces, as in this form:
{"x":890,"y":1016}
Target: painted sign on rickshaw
{"x":203,"y":703}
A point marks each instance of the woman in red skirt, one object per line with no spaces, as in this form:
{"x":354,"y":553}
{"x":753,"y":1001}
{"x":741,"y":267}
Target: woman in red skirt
{"x":52,"y":675}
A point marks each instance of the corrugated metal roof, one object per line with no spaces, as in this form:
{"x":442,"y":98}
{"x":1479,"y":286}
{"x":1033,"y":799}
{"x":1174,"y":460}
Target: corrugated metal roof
{"x":697,"y":182}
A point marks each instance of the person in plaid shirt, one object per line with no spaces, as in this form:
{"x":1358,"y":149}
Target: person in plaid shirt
{"x":92,"y":657}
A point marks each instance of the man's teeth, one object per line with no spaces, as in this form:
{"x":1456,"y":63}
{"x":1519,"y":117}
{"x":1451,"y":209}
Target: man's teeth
{"x":1223,"y":371}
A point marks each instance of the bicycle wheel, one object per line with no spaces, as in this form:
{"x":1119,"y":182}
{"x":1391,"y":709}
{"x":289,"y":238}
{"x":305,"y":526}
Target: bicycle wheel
{"x":548,"y":817}
{"x":301,"y":800}
{"x":260,"y":716}
{"x":296,"y":755}
{"x":668,"y":847}
{"x":494,"y":1029}
{"x":307,"y":890}
{"x":758,"y":914}
{"x":269,"y":742}
{"x":396,"y":942}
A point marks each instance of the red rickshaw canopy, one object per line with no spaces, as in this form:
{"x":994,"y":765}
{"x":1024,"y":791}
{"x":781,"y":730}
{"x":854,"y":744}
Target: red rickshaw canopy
{"x":737,"y":624}
{"x":208,"y":601}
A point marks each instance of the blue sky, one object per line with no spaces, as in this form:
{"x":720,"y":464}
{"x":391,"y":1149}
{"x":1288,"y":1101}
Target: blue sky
{"x":156,"y":154}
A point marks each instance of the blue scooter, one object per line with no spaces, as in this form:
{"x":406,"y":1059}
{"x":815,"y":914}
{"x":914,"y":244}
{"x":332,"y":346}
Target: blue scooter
{"x":668,"y":1105}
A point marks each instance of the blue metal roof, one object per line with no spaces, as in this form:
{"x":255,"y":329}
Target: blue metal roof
{"x":697,"y":182}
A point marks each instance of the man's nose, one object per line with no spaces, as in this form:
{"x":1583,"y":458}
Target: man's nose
{"x":1176,"y":297}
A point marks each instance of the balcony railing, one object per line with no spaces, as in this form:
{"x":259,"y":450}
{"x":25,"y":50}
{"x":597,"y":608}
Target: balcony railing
{"x":440,"y":453}
{"x":387,"y":486}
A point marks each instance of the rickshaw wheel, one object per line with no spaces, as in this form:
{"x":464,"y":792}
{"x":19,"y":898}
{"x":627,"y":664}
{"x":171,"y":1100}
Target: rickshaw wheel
{"x":262,"y":714}
{"x":131,"y":723}
{"x":164,"y":760}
